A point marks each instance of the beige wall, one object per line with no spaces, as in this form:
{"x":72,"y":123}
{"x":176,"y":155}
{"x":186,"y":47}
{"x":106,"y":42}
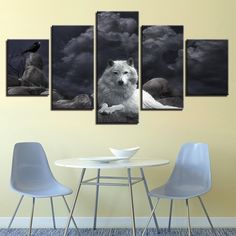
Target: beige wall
{"x":159,"y":134}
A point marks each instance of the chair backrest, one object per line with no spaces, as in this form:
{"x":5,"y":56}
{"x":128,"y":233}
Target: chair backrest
{"x":192,"y":167}
{"x":30,"y":165}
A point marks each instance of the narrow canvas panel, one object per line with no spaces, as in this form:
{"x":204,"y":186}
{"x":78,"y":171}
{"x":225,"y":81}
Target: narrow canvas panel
{"x":117,"y":68}
{"x":72,"y":67}
{"x":207,"y":67}
{"x":27,"y":67}
{"x":162,"y":67}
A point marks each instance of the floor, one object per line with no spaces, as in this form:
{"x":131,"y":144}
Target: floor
{"x":116,"y":232}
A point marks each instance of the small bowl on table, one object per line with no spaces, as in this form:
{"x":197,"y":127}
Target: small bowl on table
{"x":125,"y":153}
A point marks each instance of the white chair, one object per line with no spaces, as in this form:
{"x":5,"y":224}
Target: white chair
{"x":31,"y":176}
{"x":190,"y":178}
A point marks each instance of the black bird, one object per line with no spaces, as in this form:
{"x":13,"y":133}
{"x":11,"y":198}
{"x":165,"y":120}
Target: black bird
{"x":33,"y":48}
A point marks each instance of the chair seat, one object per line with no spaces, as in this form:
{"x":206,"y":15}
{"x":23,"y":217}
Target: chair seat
{"x":178,"y":192}
{"x":51,"y":189}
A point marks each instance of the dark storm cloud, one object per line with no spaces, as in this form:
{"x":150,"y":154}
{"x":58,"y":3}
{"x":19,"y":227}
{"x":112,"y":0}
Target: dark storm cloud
{"x":207,"y":67}
{"x":82,"y":43}
{"x":162,"y":54}
{"x":117,"y":37}
{"x":73,"y":60}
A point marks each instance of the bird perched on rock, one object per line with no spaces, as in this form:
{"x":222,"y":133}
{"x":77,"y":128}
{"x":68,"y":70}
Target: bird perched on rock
{"x":33,"y":48}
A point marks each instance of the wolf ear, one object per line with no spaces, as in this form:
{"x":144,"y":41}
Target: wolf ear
{"x":130,"y":61}
{"x":110,"y":63}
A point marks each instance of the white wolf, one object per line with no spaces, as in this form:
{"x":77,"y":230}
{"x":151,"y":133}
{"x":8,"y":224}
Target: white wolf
{"x":117,"y":90}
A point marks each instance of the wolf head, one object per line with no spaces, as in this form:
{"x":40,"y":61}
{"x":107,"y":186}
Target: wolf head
{"x":122,"y":73}
{"x":118,"y":82}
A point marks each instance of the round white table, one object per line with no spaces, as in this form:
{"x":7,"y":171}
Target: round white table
{"x":126,"y":164}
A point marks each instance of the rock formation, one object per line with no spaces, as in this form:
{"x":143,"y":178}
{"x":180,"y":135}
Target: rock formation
{"x":157,"y":87}
{"x":33,"y":74}
{"x":81,"y":101}
{"x":33,"y":81}
{"x":163,"y":93}
{"x":24,"y":91}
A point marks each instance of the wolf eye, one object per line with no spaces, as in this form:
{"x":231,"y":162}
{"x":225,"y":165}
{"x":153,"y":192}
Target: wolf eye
{"x":115,"y":72}
{"x":126,"y":72}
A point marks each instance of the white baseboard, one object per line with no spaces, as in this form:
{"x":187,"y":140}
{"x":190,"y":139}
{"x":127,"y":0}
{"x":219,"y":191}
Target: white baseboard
{"x":119,"y":222}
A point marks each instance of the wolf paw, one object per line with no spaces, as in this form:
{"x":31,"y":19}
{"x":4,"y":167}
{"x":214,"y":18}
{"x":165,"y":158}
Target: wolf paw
{"x":105,"y":109}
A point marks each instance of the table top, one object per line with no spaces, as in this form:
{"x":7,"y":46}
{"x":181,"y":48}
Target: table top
{"x":132,"y":163}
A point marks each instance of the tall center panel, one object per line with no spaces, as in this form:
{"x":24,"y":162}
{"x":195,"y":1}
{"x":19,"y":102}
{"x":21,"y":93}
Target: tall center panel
{"x":117,"y":67}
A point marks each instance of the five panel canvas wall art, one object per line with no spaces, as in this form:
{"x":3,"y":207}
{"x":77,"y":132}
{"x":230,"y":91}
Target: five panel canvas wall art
{"x":27,"y":67}
{"x":72,"y":67}
{"x":118,"y":93}
{"x":162,"y":67}
{"x":117,"y":67}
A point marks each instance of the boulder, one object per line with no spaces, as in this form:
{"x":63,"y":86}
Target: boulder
{"x":81,"y":101}
{"x":45,"y":93}
{"x":25,"y":91}
{"x":157,"y":87}
{"x":56,"y":96}
{"x":33,"y":74}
